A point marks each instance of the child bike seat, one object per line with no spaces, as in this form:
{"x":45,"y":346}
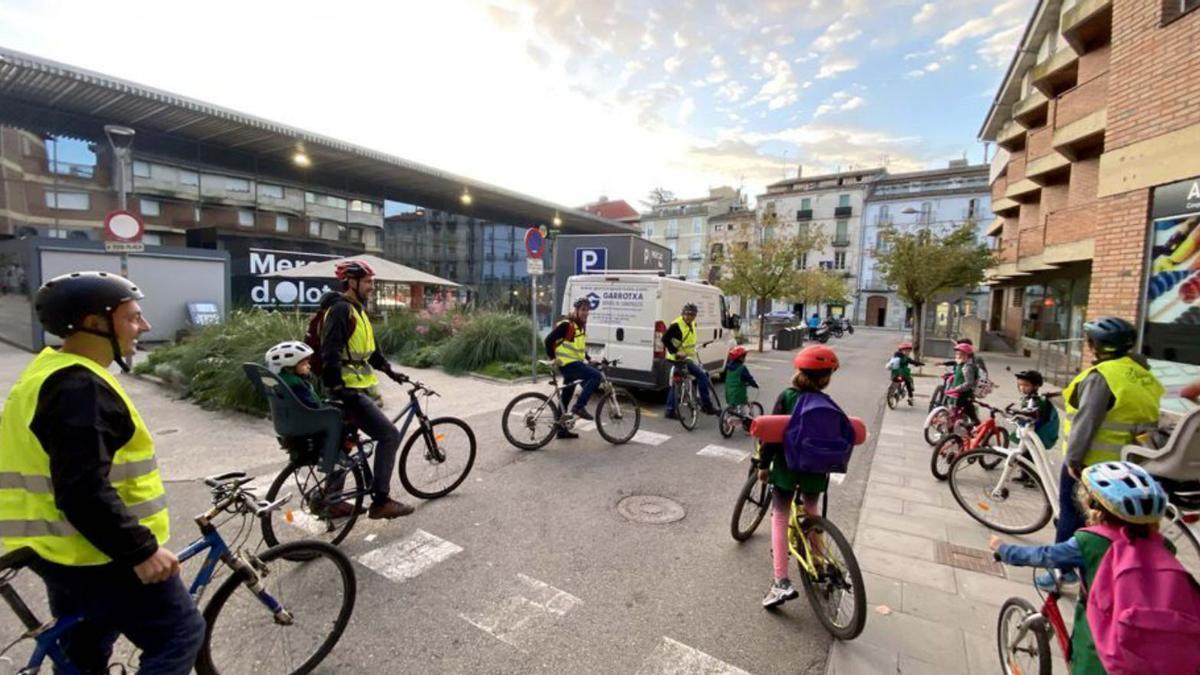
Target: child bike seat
{"x":1178,"y":459}
{"x":296,"y":424}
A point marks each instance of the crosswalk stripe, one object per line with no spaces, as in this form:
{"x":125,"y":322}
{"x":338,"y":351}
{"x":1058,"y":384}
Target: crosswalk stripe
{"x":674,"y":657}
{"x":408,"y":558}
{"x":722,"y":452}
{"x":650,"y":438}
{"x":524,"y":615}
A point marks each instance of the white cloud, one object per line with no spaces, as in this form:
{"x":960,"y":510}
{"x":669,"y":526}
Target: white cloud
{"x":998,"y":49}
{"x":933,"y":67}
{"x":839,"y":32}
{"x":838,"y":102}
{"x":927,"y":12}
{"x":806,"y":58}
{"x":686,"y":110}
{"x":781,"y":90}
{"x":672,"y":64}
{"x":914,"y":74}
{"x":836,"y":66}
{"x":679,"y":40}
{"x":731,"y":91}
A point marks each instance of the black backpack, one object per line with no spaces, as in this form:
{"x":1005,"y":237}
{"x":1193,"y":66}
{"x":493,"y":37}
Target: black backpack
{"x":312,"y":337}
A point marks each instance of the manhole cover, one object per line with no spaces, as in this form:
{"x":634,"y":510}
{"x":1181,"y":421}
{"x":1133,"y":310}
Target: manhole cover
{"x":650,"y":509}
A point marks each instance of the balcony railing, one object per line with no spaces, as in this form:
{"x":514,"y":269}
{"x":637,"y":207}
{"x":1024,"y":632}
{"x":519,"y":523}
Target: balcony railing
{"x":672,"y":234}
{"x":804,"y":214}
{"x":841,"y":241}
{"x":843,"y":211}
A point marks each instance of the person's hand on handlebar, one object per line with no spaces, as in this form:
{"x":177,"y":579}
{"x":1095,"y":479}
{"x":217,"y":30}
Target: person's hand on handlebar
{"x":398,"y":378}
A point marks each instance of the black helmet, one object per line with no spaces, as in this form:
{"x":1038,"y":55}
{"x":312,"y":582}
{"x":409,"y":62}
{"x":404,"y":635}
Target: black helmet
{"x":63,"y":302}
{"x":582,"y":302}
{"x":1110,"y":335}
{"x":1032,"y":377}
{"x":689,"y":308}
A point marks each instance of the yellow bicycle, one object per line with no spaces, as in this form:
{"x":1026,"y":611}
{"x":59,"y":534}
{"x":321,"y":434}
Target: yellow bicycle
{"x":828,"y":570}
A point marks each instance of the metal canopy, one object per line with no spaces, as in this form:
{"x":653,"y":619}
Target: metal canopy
{"x":58,"y":99}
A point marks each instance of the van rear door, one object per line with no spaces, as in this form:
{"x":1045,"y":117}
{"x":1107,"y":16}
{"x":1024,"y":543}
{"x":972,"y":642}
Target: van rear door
{"x":623,"y":316}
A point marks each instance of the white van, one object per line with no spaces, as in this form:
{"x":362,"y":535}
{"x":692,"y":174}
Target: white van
{"x":631,"y":311}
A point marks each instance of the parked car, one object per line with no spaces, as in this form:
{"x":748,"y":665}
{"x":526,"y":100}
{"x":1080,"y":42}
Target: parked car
{"x":781,"y":315}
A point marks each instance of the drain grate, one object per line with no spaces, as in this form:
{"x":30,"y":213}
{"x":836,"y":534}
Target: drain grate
{"x":650,"y":509}
{"x":966,"y":558}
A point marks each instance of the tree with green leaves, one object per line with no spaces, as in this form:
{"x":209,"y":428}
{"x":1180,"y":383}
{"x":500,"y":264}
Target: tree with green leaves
{"x":767,"y":270}
{"x":822,"y":286}
{"x":922,"y":266}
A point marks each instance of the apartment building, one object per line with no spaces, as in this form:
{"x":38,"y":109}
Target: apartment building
{"x":728,"y":232}
{"x":830,"y":205}
{"x":941,"y":200}
{"x":682,"y":226}
{"x":1096,"y":188}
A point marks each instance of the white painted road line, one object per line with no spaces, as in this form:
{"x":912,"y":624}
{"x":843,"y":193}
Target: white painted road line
{"x":525,"y":615}
{"x":408,"y":558}
{"x":722,"y":452}
{"x":650,"y":438}
{"x":675,"y":658}
{"x":837,"y":478}
{"x":300,"y":520}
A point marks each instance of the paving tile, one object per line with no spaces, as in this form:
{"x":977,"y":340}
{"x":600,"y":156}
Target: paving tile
{"x":908,"y":494}
{"x":946,"y":515}
{"x":878,"y":503}
{"x":951,"y":609}
{"x":882,"y":591}
{"x":897,"y":542}
{"x":988,"y":589}
{"x":861,"y":658}
{"x":922,"y":527}
{"x":885,"y":478}
{"x":912,"y":637}
{"x":914,"y":666}
{"x":905,"y":568}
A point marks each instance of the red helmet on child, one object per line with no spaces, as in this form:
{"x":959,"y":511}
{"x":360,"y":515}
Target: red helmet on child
{"x":904,"y":345}
{"x":816,"y":357}
{"x":737,"y":353}
{"x":965,"y":348}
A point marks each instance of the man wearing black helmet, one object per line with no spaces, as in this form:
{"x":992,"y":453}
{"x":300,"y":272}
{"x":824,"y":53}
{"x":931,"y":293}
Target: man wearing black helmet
{"x":680,"y":343}
{"x":1108,"y":405}
{"x":349,"y":359}
{"x":567,"y":345}
{"x":82,"y":487}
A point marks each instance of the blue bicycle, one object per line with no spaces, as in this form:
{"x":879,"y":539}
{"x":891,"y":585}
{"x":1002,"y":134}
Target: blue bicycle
{"x":297,"y":601}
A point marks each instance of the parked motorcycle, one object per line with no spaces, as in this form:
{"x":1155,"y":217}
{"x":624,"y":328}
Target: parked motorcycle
{"x":834,"y":326}
{"x":846,"y":325}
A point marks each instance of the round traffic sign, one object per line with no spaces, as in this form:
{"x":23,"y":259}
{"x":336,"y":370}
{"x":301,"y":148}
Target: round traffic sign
{"x":535,"y":243}
{"x":123,"y":226}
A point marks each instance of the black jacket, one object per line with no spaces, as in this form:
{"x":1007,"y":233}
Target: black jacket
{"x":335,"y":336}
{"x":81,"y":423}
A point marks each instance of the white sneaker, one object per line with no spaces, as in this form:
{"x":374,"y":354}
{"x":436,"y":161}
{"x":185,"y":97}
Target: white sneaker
{"x":780,"y":592}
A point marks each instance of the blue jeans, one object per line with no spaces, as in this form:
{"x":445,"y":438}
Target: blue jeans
{"x":579,"y":370}
{"x":702,"y":378}
{"x":1069,"y":517}
{"x":159,"y":619}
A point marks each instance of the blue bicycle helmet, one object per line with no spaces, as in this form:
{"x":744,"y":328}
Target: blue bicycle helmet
{"x":1111,"y":335}
{"x":1125,"y":490}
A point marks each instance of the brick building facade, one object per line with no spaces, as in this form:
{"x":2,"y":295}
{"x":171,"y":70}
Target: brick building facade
{"x":1097,"y":115}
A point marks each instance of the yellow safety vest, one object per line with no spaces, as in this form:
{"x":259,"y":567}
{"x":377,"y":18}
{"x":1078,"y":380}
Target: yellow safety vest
{"x":356,"y":372}
{"x":570,"y":351}
{"x":686,"y":347}
{"x":1137,"y":395}
{"x":28,"y":515}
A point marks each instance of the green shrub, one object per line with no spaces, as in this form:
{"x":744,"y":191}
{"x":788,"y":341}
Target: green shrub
{"x":428,"y":356}
{"x":511,"y":370}
{"x":208,"y":366}
{"x":488,"y":337}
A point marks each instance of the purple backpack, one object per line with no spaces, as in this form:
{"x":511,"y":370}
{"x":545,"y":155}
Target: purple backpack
{"x":1143,"y":607}
{"x":819,"y":437}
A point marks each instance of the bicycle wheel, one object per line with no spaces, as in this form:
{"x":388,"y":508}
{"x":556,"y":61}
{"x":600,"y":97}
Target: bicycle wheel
{"x":530,"y":420}
{"x":313,"y":581}
{"x":997,"y":439}
{"x":837,"y":594}
{"x":618,"y":416}
{"x":1031,"y":652}
{"x":306,"y":514}
{"x":442,"y":459}
{"x":944,"y":454}
{"x":752,"y":504}
{"x":892,"y":398}
{"x":937,"y":425}
{"x":727,"y":423}
{"x":688,"y":409}
{"x":937,"y":397}
{"x":1187,"y":548}
{"x":756,"y":409}
{"x":1015,"y":504}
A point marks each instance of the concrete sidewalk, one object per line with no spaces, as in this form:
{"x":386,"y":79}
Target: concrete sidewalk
{"x":928,"y":612}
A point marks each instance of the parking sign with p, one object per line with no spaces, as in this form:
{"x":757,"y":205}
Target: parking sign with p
{"x":591,"y":260}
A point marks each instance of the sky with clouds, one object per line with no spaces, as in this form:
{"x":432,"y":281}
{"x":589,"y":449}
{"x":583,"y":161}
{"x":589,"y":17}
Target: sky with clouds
{"x":568,"y":100}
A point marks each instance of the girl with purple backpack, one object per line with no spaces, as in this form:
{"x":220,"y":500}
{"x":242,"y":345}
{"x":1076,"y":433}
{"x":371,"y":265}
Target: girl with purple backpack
{"x":818,"y":430}
{"x":1140,"y":609}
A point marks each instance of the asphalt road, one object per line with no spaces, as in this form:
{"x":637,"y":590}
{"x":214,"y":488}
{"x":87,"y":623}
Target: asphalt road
{"x":529,"y":567}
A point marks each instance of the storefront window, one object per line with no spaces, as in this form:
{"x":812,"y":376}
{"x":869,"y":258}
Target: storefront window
{"x":1055,"y":311}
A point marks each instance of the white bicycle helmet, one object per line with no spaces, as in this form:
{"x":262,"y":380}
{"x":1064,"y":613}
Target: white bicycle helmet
{"x":287,"y":355}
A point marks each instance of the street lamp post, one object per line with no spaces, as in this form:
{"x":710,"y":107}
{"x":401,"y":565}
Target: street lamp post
{"x":120,"y":139}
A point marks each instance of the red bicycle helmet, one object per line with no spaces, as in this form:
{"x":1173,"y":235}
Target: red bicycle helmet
{"x":965,"y":348}
{"x":737,"y":353}
{"x":353,"y":269}
{"x":816,"y":357}
{"x":904,"y":345}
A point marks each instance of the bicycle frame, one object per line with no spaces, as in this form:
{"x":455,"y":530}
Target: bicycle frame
{"x":1053,"y":615}
{"x":1041,"y":464}
{"x":805,"y":559}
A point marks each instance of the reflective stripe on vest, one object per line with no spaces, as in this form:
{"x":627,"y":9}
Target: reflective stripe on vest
{"x":1137,"y":395}
{"x":570,"y":351}
{"x":28,"y":513}
{"x":685,"y":347}
{"x":356,"y":372}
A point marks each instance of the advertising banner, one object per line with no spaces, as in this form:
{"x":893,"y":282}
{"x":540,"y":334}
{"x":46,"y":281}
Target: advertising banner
{"x":1172,"y":317}
{"x":251,"y":286}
